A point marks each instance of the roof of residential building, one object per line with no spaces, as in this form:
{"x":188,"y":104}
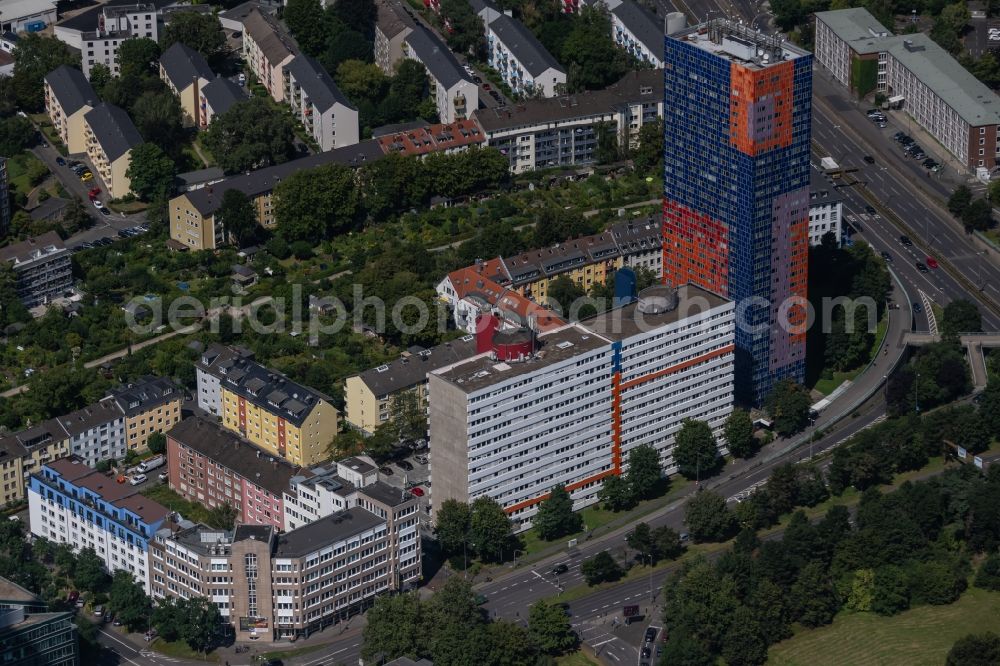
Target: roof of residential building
{"x":550,"y":261}
{"x":40,"y":434}
{"x":113,"y":130}
{"x":440,"y":62}
{"x":265,"y":32}
{"x":411,"y":369}
{"x":635,"y":87}
{"x":198,"y":537}
{"x":146,"y":393}
{"x":469,"y":284}
{"x":221,"y":93}
{"x":92,"y":416}
{"x":11,"y":591}
{"x":524,"y":46}
{"x":241,"y":11}
{"x":317,"y":83}
{"x":821,"y":190}
{"x":326,"y":477}
{"x":208,"y":199}
{"x":70,"y":469}
{"x":482,"y":5}
{"x":51,"y":207}
{"x":71,"y":88}
{"x":395,"y":128}
{"x":255,"y":532}
{"x":144,"y":507}
{"x":11,"y":448}
{"x":268,"y":389}
{"x":432,"y":138}
{"x":210,"y":174}
{"x":18,"y":9}
{"x":122,"y":495}
{"x":646,"y":27}
{"x":635,"y":236}
{"x":326,"y":531}
{"x":856,"y":26}
{"x":392,"y":19}
{"x":356,"y":464}
{"x":34,"y":248}
{"x":89,"y":19}
{"x":388,"y":495}
{"x":183,"y":65}
{"x":954,"y":84}
{"x":233,"y":452}
{"x":628,"y":320}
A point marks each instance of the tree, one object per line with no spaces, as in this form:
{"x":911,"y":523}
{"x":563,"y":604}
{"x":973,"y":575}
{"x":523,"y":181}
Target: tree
{"x":202,"y":32}
{"x":788,"y":406}
{"x":100,"y":76}
{"x":783,"y":488}
{"x":813,"y":597}
{"x":453,"y":526}
{"x":592,"y":59}
{"x":89,"y":573}
{"x":683,"y":649}
{"x":696,"y":453}
{"x":648,"y":156}
{"x":15,"y":135}
{"x":392,"y":627}
{"x":890,"y":594}
{"x":555,"y":517}
{"x":34,"y":57}
{"x":961,"y":316}
{"x":222,"y":517}
{"x":666,"y":543}
{"x":510,"y":645}
{"x":550,"y":629}
{"x":159,"y":119}
{"x":150,"y":172}
{"x":237,"y":216}
{"x":978,"y":216}
{"x":744,"y":643}
{"x":138,"y":57}
{"x":708,"y":518}
{"x":200,"y":622}
{"x":644,"y":471}
{"x":738,"y":431}
{"x":252,"y":134}
{"x":317,"y":203}
{"x":959,"y":200}
{"x":306,"y":19}
{"x":466,"y":34}
{"x":489,"y":528}
{"x":641,"y":540}
{"x":167,"y":618}
{"x":600,"y":568}
{"x":616,"y":494}
{"x":128,"y":600}
{"x":157,"y":442}
{"x":975,"y":650}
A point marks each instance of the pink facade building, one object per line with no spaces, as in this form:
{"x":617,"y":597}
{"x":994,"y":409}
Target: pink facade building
{"x":212,"y":466}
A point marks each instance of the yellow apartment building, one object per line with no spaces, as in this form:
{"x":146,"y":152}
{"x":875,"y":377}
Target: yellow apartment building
{"x":150,"y":405}
{"x":110,"y":137}
{"x":68,"y":97}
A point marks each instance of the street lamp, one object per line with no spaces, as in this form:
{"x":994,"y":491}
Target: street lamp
{"x":916,"y":386}
{"x":650,"y":556}
{"x":516,"y":551}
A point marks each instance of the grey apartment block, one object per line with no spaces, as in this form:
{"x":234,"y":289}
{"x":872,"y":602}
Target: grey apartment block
{"x":42,"y":266}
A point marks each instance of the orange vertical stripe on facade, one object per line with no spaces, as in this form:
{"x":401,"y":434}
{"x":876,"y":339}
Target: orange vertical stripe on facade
{"x":680,"y":366}
{"x":754,"y":93}
{"x":798,"y":284}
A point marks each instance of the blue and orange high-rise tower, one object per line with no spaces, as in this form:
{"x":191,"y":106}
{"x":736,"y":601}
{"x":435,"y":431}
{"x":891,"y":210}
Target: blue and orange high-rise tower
{"x":736,"y":188}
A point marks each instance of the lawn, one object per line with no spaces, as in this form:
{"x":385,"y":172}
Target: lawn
{"x":19,"y":168}
{"x":164,"y":495}
{"x":828,"y":386}
{"x":181,"y":650}
{"x":919,"y":636}
{"x":578,"y":658}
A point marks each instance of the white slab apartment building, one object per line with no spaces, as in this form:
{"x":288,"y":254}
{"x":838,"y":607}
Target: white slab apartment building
{"x":530,"y":411}
{"x":957,"y":109}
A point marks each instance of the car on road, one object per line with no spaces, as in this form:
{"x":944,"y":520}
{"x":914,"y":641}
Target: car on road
{"x":60,"y":161}
{"x":931,"y":262}
{"x":468,"y":70}
{"x":684,"y":536}
{"x":917,"y":308}
{"x":105,"y":212}
{"x":869,"y":159}
{"x":871,"y":210}
{"x":417,"y":491}
{"x":905,"y":240}
{"x":480,"y":599}
{"x":886,"y":256}
{"x":163,"y":476}
{"x":385,"y":469}
{"x":495,"y":95}
{"x":650,"y":635}
{"x":560,"y":568}
{"x":137,"y":479}
{"x":405,"y":464}
{"x":94,"y":191}
{"x":117,"y":622}
{"x":97,"y":203}
{"x":486,"y":87}
{"x":242,"y":78}
{"x":476,"y":79}
{"x":921,"y":267}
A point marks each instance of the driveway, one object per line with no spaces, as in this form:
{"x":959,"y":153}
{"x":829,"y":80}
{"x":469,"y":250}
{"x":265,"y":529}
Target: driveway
{"x":104,"y":227}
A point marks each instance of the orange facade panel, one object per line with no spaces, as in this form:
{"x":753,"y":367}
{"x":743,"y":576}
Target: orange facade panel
{"x":761,"y":103}
{"x":695,"y":249}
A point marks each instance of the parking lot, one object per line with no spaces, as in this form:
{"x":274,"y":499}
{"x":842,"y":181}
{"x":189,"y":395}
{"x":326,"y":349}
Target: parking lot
{"x":411,"y":472}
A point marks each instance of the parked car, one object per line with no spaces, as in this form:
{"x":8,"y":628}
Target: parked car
{"x":94,"y":191}
{"x":650,"y":635}
{"x":932,"y":262}
{"x":646,"y":652}
{"x":871,"y":210}
{"x":417,"y":491}
{"x":917,"y":308}
{"x":385,"y":469}
{"x":86,"y":176}
{"x":98,"y":611}
{"x":97,"y":203}
{"x":105,"y":212}
{"x":137,"y":479}
{"x":476,"y":79}
{"x":242,"y":78}
{"x":421,"y":459}
{"x":905,"y":240}
{"x":60,"y":161}
{"x":486,"y":87}
{"x":406,"y":464}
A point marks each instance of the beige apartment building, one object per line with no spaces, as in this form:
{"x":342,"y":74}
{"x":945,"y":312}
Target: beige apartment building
{"x":68,"y":98}
{"x":266,"y":50}
{"x":150,"y":405}
{"x":270,"y":585}
{"x":185,"y":72}
{"x":110,"y":137}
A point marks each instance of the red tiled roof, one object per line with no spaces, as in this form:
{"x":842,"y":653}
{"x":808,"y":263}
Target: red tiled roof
{"x":469,"y":282}
{"x":433,"y":138}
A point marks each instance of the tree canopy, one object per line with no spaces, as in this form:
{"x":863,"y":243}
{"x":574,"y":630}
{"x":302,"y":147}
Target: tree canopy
{"x":35,"y":56}
{"x":251,"y":135}
{"x":555,"y":517}
{"x":150,"y":172}
{"x":201,"y":32}
{"x":695,"y":452}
